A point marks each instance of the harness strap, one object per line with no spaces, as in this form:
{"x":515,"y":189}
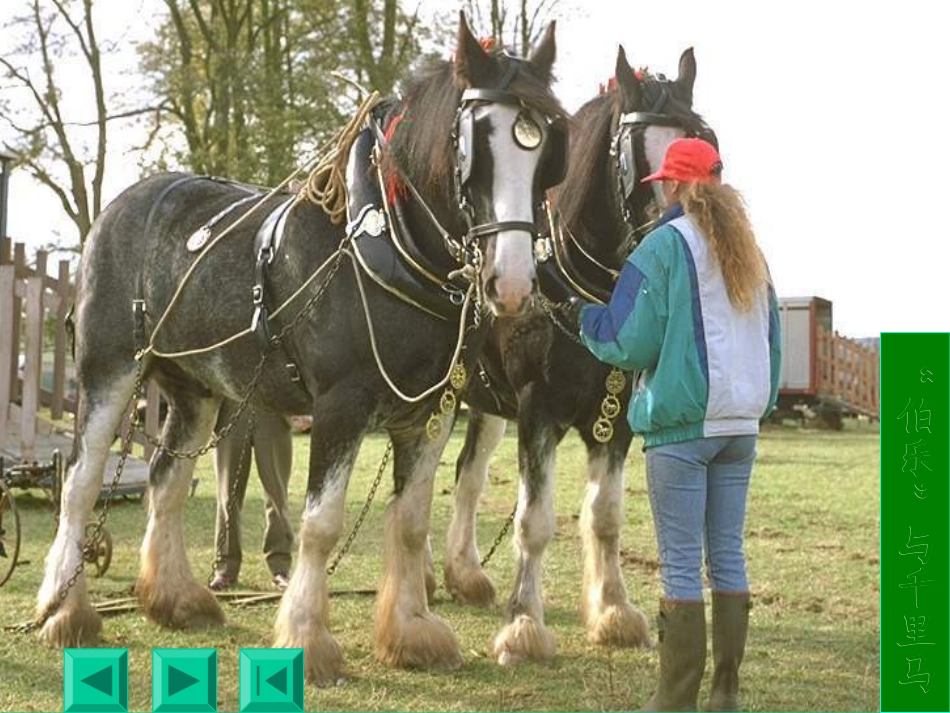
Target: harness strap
{"x":452,"y":245}
{"x":140,"y":337}
{"x":269,"y":236}
{"x":490,"y":228}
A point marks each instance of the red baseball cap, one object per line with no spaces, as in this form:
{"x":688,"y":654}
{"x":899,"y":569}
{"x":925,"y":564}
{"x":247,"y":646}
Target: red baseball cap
{"x":688,"y":160}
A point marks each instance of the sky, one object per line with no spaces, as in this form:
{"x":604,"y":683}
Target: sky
{"x":830,"y":117}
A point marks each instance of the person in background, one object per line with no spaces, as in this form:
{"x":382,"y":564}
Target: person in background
{"x":695,"y":312}
{"x":273,"y":453}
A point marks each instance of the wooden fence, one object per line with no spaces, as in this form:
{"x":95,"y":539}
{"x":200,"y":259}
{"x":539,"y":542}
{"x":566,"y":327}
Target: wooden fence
{"x":848,"y":372}
{"x":35,"y":353}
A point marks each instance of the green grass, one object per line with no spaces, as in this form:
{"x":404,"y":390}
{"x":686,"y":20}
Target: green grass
{"x":812,"y":547}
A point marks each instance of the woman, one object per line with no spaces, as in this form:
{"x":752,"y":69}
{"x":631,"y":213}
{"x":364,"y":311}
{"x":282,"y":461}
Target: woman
{"x":694,"y":310}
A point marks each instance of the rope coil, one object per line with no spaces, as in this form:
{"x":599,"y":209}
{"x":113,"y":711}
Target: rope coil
{"x":326,"y":184}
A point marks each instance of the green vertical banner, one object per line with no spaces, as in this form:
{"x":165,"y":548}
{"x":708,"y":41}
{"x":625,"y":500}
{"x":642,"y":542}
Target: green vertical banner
{"x":915,"y":533}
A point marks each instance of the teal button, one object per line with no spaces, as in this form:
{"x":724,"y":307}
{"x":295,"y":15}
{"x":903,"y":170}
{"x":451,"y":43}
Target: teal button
{"x":271,"y":680}
{"x":95,"y":680}
{"x":184,"y":680}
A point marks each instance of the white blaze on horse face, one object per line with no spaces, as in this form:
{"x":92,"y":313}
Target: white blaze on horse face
{"x":656,"y":139}
{"x":513,"y":183}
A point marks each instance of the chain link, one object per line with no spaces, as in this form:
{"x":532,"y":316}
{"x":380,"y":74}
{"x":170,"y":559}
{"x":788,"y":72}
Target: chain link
{"x":362,"y":516}
{"x":501,"y":535}
{"x":550,"y":308}
{"x":135,"y":425}
{"x":103,"y":513}
{"x":233,"y":493}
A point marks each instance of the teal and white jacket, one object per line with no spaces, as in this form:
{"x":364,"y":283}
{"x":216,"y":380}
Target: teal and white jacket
{"x":707,"y":369}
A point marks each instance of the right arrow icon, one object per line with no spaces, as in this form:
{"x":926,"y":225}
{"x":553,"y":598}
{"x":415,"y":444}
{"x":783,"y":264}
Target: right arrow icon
{"x":178,"y":680}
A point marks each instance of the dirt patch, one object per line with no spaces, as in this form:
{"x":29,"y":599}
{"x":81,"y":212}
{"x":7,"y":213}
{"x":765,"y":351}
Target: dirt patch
{"x":638,"y":562}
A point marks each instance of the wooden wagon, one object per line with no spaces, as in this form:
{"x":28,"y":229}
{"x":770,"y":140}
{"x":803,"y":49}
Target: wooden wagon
{"x":824,"y":374}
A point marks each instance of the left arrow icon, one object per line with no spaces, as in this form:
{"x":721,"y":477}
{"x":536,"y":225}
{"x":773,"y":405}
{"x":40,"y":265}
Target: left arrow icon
{"x":101,"y":680}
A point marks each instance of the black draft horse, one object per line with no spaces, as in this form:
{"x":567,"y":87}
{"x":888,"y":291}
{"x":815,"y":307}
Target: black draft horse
{"x":136,"y":259}
{"x":533,"y":371}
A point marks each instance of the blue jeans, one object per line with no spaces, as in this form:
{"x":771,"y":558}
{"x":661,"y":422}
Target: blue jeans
{"x":698,"y":494}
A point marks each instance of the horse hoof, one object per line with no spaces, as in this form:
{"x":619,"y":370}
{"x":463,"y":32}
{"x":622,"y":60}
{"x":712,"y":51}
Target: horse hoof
{"x":524,"y":639}
{"x":470,"y":587}
{"x":422,"y":642}
{"x":72,"y":626}
{"x":322,"y":657}
{"x":620,"y":625}
{"x":191,"y":607}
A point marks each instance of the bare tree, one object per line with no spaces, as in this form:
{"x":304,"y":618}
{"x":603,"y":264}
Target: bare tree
{"x":68,"y":157}
{"x":517,"y":24}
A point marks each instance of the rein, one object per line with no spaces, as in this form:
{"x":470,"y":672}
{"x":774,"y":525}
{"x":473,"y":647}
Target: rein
{"x":323,"y":187}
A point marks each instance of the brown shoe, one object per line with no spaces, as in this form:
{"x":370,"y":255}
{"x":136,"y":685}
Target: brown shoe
{"x":220,"y":583}
{"x":281,"y":581}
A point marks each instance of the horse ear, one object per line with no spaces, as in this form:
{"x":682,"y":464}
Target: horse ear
{"x":687,"y":76}
{"x":472,"y":63}
{"x":630,"y":89}
{"x":544,"y":54}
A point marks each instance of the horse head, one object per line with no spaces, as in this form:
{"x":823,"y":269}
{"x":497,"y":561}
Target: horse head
{"x":617,"y":138}
{"x":487,"y":163}
{"x":650,"y":112}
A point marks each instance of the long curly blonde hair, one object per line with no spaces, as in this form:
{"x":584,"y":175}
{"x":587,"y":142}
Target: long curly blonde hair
{"x":720,"y":212}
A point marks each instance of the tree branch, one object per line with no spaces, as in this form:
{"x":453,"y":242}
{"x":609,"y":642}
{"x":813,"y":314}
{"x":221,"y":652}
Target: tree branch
{"x":41,"y":175}
{"x":74,"y":26}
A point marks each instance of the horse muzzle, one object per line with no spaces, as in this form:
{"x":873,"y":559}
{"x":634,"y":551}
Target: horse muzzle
{"x":509,"y":275}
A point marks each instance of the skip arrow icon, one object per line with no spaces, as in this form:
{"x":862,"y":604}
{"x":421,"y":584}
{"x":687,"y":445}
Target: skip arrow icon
{"x":101,"y":680}
{"x":279,"y":681}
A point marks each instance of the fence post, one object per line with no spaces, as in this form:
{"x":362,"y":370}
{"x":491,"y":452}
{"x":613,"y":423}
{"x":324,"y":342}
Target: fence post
{"x":19,"y":272}
{"x":60,"y":342}
{"x":7,"y":348}
{"x":33,"y":367}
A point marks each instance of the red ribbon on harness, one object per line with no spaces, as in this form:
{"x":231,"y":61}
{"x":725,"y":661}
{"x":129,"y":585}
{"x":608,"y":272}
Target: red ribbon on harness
{"x":394,"y":185}
{"x":611,"y":83}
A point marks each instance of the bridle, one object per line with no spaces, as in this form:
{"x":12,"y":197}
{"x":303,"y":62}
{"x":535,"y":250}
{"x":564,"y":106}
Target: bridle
{"x":623,"y":148}
{"x":462,"y":138}
{"x":535,"y":137}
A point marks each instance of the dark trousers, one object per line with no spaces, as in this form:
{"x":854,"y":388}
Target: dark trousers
{"x":273,"y":453}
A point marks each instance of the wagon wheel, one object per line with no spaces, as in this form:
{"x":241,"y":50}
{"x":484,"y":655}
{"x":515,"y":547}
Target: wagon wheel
{"x":98,"y":552}
{"x":9,"y":533}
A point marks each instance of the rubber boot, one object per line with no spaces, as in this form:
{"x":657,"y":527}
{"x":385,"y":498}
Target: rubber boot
{"x":730,"y":626}
{"x":682,"y":635}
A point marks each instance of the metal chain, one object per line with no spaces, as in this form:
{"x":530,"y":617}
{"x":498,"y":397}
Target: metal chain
{"x":228,"y":427}
{"x":233,"y":493}
{"x":501,"y":535}
{"x":310,"y":303}
{"x":549,"y":308}
{"x":256,"y":377}
{"x":136,"y":425}
{"x":64,"y":590}
{"x":362,"y":516}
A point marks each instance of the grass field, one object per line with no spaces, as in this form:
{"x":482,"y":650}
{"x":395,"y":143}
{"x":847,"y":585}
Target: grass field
{"x":812,"y":546}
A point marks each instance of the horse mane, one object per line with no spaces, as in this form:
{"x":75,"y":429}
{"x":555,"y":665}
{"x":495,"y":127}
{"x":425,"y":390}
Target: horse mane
{"x":590,"y":139}
{"x":581,"y":194}
{"x":421,"y":146}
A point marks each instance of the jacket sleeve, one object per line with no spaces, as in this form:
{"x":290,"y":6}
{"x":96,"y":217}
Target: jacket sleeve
{"x":775,"y":349}
{"x":628,"y":331}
